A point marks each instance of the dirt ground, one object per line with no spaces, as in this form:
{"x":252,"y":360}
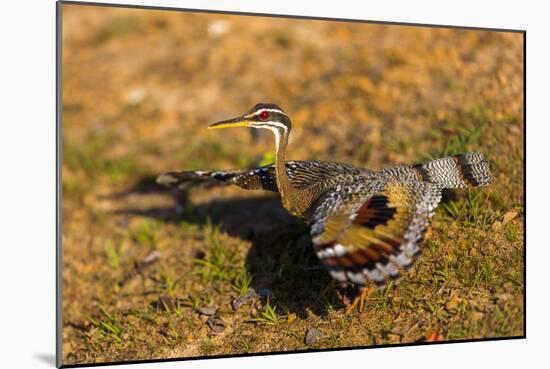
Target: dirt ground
{"x":154,"y":273}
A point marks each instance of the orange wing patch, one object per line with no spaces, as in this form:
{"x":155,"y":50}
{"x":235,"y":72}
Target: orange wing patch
{"x":375,"y":211}
{"x":374,"y":240}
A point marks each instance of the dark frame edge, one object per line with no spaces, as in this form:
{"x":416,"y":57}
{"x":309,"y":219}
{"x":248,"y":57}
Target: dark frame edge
{"x":58,"y":193}
{"x":229,"y":12}
{"x":525,"y":184}
{"x":311,"y":351}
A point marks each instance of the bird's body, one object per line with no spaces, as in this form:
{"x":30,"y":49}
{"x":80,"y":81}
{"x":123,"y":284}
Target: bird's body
{"x":365,"y":225}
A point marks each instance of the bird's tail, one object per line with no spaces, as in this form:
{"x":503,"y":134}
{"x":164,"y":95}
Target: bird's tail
{"x":462,"y":170}
{"x":187,"y":179}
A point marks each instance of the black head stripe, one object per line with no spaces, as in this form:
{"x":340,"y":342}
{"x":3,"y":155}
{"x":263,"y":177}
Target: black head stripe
{"x":273,"y":116}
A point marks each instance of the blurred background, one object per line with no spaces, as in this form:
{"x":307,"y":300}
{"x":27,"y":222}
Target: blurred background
{"x":139,"y":88}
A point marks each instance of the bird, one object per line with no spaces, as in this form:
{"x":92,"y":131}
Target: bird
{"x":366,"y":226}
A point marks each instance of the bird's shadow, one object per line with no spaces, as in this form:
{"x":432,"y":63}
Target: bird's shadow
{"x":281,"y":259}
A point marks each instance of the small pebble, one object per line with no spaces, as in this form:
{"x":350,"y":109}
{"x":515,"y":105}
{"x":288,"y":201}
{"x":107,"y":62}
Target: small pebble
{"x":216,"y":323}
{"x":242,"y":300}
{"x":208,"y":311}
{"x":218,"y":28}
{"x":151,"y":258}
{"x":313,"y":335}
{"x":238,"y":302}
{"x":514,"y":129}
{"x":135,"y":96}
{"x":167,"y":303}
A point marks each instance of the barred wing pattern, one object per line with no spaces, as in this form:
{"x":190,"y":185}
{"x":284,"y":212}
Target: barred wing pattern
{"x":370,"y":230}
{"x":300,"y":173}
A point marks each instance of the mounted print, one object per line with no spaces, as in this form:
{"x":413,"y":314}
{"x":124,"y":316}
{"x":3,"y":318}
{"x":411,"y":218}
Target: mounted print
{"x":237,"y":184}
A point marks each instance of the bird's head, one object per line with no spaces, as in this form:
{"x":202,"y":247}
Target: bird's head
{"x":268,"y":116}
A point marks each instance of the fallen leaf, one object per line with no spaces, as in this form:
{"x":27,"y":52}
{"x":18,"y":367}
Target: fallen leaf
{"x":291,"y":317}
{"x":433,"y":337}
{"x":508,"y":217}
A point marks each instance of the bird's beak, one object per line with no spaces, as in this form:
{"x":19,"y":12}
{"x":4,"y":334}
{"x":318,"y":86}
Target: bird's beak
{"x":241,"y":121}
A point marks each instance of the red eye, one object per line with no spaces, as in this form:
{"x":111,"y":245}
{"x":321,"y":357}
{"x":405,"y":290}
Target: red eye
{"x":264,"y":115}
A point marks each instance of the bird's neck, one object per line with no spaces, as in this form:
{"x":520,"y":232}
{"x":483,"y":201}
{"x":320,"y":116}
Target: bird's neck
{"x":292,"y":197}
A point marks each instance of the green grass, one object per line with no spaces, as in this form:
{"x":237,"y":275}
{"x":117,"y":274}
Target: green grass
{"x":478,"y":209}
{"x":91,"y":157}
{"x":148,"y":315}
{"x":380,"y":300}
{"x":76,"y":189}
{"x":201,"y":154}
{"x":469,"y":330}
{"x":245,"y":345}
{"x":461,"y":132}
{"x":463,"y":140}
{"x":242,"y":282}
{"x":119,"y":169}
{"x":169,"y":283}
{"x":109,"y":325}
{"x":171,"y":334}
{"x":219,"y":264}
{"x":112,"y":255}
{"x":269,"y":315}
{"x":513,"y":231}
{"x":117,"y":28}
{"x":363,"y":152}
{"x":187,"y":229}
{"x":192,"y":302}
{"x":442,"y":273}
{"x":268,"y":158}
{"x":473,"y":208}
{"x":330,"y":301}
{"x":146,"y":233}
{"x":207,"y":346}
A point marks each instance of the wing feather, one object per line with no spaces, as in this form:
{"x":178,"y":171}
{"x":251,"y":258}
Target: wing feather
{"x":370,"y":230}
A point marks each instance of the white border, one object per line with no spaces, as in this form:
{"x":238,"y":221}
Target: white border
{"x":28,"y":181}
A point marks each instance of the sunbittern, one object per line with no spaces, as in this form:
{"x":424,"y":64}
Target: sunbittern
{"x":365,"y":225}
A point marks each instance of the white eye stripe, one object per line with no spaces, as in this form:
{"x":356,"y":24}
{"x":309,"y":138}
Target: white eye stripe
{"x":275,"y":111}
{"x":268,"y":110}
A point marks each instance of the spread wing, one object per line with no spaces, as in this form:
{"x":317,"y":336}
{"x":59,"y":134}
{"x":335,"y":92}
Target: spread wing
{"x":370,"y":230}
{"x":300,"y":173}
